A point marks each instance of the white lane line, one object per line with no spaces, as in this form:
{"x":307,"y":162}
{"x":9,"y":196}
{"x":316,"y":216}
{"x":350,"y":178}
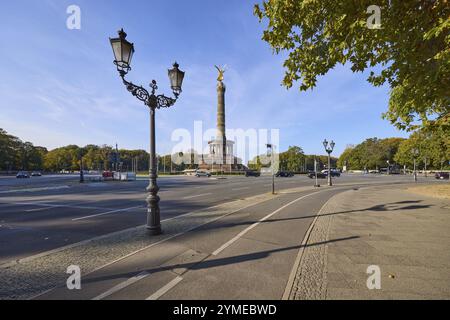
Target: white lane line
{"x":230,"y":242}
{"x":35,"y":189}
{"x":197,"y":195}
{"x":49,"y":205}
{"x":242,"y":188}
{"x":107,"y":212}
{"x":164,"y":289}
{"x":122,"y":285}
{"x":39,"y":209}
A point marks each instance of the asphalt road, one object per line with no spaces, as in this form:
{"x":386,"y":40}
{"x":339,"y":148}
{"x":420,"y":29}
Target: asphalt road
{"x":43,"y":213}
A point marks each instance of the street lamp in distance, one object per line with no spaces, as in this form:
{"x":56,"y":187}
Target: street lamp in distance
{"x":415,"y":154}
{"x":270,"y":151}
{"x":329,"y":149}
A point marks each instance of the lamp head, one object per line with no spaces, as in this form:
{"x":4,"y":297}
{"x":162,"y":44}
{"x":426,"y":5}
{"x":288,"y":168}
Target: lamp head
{"x":123,"y":52}
{"x":176,"y":77}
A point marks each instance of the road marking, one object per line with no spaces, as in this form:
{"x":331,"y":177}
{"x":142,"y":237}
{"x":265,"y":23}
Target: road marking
{"x":236,"y":189}
{"x":197,"y":195}
{"x":164,"y":289}
{"x":39,"y":209}
{"x":233,"y":240}
{"x":173,"y":236}
{"x":83,"y":242}
{"x":35,"y":189}
{"x":43,"y":204}
{"x":122,"y":285}
{"x":107,"y":212}
{"x":175,"y":281}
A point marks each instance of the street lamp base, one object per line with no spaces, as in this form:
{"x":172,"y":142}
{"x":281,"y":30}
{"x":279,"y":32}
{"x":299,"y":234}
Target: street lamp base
{"x":154,"y":230}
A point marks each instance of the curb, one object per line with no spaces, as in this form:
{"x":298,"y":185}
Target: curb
{"x":298,"y":260}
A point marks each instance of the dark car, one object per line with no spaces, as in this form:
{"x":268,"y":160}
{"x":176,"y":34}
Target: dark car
{"x":252,"y":173}
{"x":334,"y":173}
{"x":286,"y":174}
{"x":442,"y":175}
{"x":22,"y":174}
{"x":36,"y":174}
{"x":320,"y":175}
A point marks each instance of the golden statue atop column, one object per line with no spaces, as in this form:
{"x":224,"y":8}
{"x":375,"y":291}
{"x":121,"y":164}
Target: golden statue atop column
{"x":220,"y":149}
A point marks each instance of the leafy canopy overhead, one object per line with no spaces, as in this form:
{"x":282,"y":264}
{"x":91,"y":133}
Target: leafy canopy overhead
{"x":411,"y":50}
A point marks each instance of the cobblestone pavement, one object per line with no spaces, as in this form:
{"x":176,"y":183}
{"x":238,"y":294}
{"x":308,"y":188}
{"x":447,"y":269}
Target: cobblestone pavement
{"x":405,"y":234}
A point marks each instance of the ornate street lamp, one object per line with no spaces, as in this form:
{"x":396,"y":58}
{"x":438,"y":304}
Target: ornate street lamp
{"x":123,"y":52}
{"x":329,"y":149}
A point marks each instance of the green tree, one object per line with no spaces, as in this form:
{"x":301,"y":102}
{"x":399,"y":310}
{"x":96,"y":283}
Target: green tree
{"x":373,"y":153}
{"x":345,"y":158}
{"x":292,"y":159}
{"x":64,"y":158}
{"x":410,"y":51}
{"x":433,"y":146}
{"x":9,"y":151}
{"x":18,"y":155}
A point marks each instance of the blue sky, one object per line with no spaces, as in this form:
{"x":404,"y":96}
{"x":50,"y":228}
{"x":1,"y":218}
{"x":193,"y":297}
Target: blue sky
{"x":59,"y":86}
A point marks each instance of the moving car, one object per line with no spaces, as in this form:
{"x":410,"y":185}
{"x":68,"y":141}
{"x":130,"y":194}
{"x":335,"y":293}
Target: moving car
{"x":22,"y":174}
{"x":36,"y":174}
{"x":442,"y":175}
{"x":320,"y":175}
{"x":200,"y":173}
{"x":252,"y":173}
{"x":334,"y":172}
{"x":286,"y":174}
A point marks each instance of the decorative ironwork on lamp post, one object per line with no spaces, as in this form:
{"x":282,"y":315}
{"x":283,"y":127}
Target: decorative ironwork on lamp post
{"x":329,"y":149}
{"x":123,"y":52}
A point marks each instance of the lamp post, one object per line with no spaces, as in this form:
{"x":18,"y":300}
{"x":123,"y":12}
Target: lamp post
{"x":270,"y":151}
{"x":415,"y":153}
{"x":425,"y":169}
{"x":317,"y":185}
{"x":123,"y":52}
{"x":212,"y":162}
{"x":81,"y":170}
{"x":329,"y":149}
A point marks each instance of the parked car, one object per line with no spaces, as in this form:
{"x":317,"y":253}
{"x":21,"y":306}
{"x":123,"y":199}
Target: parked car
{"x":252,"y":173}
{"x":320,"y":175}
{"x":286,"y":174}
{"x":36,"y":174}
{"x":442,"y":175}
{"x":200,"y":173}
{"x":22,"y":174}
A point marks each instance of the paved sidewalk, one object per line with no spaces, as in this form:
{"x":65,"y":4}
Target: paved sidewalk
{"x":405,"y":234}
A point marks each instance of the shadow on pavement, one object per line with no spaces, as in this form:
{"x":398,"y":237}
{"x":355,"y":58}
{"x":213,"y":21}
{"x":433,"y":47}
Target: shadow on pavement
{"x":215,"y":262}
